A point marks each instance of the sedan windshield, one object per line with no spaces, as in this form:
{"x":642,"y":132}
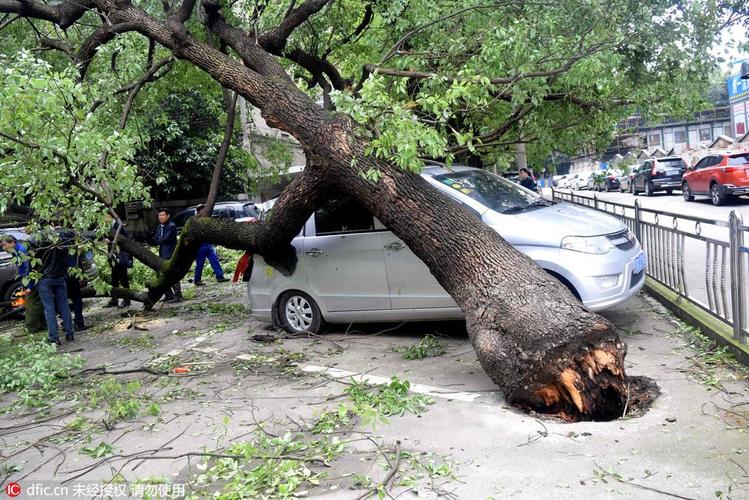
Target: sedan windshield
{"x":492,"y":191}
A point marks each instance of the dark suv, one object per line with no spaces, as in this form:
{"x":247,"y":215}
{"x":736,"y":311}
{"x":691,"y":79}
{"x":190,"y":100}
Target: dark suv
{"x":237,"y":210}
{"x":658,"y":174}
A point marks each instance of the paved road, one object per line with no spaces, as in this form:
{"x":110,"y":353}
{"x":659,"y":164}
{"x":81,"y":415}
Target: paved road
{"x":706,"y":269}
{"x":700,"y":207}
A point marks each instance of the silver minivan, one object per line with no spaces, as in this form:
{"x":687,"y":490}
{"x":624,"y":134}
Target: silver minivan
{"x":352,"y":269}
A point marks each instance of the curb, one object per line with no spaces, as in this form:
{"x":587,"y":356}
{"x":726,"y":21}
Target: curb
{"x":712,"y":327}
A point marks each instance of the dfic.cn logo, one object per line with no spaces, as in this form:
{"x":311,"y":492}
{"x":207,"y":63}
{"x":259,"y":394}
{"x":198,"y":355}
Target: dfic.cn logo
{"x":13,"y":489}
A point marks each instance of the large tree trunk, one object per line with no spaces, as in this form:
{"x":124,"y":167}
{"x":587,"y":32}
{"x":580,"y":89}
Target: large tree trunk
{"x":533,"y":338}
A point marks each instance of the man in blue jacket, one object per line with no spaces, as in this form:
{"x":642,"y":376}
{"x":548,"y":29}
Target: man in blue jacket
{"x":18,"y":250}
{"x":166,"y":239}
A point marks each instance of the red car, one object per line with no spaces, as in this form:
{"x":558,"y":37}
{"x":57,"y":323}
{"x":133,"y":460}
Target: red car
{"x":720,"y":176}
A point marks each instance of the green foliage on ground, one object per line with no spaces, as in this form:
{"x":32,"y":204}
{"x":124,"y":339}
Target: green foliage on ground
{"x":428,"y":347}
{"x":377,"y":403}
{"x":121,"y":401}
{"x":33,"y":370}
{"x":268,"y":467}
{"x":281,"y":466}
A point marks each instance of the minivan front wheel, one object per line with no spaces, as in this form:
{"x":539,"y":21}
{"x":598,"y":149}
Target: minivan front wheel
{"x":299,"y":313}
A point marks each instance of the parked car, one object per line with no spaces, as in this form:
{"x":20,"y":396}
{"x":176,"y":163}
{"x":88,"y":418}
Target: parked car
{"x":9,"y":282}
{"x":585,"y":180}
{"x":351,"y":268}
{"x":569,"y":182}
{"x":563,"y":181}
{"x":237,"y":210}
{"x":658,"y":174}
{"x":719,"y":176}
{"x":625,"y":182}
{"x":607,"y":180}
{"x":578,"y":180}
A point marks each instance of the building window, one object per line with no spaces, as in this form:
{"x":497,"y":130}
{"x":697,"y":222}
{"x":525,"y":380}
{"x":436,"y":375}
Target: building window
{"x":668,"y":139}
{"x":705,"y":134}
{"x":680,"y":136}
{"x":694,"y":137}
{"x":654,"y":139}
{"x":727,"y":129}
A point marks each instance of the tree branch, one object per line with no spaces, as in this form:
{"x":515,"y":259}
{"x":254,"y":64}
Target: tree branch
{"x":359,"y":30}
{"x":130,"y":86}
{"x":316,"y":65}
{"x":64,"y":14}
{"x":98,"y":38}
{"x":48,"y":43}
{"x":270,"y":238}
{"x":516,"y":116}
{"x":223,"y":150}
{"x":253,"y":56}
{"x":131,"y":99}
{"x":275,"y":39}
{"x":396,"y":47}
{"x":181,"y":15}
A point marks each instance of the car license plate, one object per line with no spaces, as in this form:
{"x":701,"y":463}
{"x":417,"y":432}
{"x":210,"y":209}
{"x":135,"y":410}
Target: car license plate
{"x":640,"y":262}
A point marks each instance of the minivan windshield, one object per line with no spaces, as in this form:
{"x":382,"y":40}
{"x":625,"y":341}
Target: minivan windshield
{"x":492,"y":191}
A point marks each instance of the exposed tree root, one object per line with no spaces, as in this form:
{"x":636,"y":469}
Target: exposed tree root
{"x":590,"y":386}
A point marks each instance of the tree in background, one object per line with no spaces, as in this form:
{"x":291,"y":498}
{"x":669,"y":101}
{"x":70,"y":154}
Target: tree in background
{"x":184,"y":135}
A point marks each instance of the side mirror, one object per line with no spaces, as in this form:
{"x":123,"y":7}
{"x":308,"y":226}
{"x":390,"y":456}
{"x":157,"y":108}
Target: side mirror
{"x":690,"y":168}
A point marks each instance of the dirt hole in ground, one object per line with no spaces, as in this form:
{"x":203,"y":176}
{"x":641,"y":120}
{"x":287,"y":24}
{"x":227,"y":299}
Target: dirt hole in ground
{"x":643,"y":392}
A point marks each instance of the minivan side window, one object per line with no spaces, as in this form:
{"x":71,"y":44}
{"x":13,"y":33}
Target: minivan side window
{"x":343,"y":216}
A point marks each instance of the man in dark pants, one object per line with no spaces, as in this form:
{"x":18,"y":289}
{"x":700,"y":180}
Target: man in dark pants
{"x":120,"y":263}
{"x":51,"y":286}
{"x":166,"y":239}
{"x":206,"y":251}
{"x":73,"y":287}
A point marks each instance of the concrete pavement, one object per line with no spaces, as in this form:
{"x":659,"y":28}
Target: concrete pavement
{"x":470,"y":444}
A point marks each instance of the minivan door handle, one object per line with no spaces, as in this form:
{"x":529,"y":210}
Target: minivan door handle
{"x":396,"y":245}
{"x":314,"y":252}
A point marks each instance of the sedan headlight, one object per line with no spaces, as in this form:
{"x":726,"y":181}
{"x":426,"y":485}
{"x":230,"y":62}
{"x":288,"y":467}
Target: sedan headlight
{"x":587,"y":244}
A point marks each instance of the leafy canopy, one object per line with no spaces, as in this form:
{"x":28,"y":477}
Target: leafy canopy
{"x":453,"y":80}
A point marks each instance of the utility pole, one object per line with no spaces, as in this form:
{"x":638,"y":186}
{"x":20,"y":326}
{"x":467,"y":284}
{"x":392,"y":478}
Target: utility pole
{"x":522,"y":157}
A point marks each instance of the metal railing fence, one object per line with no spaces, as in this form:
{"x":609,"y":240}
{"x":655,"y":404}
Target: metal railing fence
{"x":704,"y":261}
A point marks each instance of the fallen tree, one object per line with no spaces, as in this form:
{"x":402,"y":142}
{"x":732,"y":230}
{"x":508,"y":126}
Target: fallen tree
{"x":532,"y":336}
